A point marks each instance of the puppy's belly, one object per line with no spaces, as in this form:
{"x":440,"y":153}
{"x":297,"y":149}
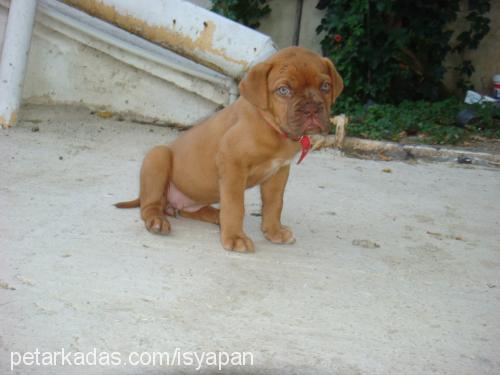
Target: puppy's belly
{"x":179,"y":201}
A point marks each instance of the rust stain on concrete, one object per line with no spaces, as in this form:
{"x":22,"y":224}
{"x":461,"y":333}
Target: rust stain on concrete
{"x":159,"y":34}
{"x":8,"y":123}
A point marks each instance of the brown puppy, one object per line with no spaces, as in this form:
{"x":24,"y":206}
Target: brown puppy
{"x":251,"y":142}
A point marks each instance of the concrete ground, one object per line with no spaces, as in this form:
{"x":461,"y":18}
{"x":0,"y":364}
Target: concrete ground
{"x":394,"y":272}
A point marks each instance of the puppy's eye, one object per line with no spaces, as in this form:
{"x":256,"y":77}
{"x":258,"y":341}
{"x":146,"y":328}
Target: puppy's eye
{"x":284,"y":91}
{"x":325,"y":87}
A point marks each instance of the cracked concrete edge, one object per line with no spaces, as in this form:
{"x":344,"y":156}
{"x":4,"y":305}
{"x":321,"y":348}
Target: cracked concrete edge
{"x":381,"y":149}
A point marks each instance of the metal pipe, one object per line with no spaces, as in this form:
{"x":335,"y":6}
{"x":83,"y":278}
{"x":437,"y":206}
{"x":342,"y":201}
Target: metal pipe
{"x":298,"y":22}
{"x":17,"y":40}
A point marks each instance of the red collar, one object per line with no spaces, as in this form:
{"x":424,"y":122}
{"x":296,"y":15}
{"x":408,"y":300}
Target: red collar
{"x":305,"y":145}
{"x":305,"y":142}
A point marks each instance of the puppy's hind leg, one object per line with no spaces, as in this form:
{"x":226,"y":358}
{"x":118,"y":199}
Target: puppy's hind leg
{"x":155,"y":174}
{"x":208,"y":214}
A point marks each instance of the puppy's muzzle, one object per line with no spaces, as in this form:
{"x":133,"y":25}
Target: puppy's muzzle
{"x":312,"y":116}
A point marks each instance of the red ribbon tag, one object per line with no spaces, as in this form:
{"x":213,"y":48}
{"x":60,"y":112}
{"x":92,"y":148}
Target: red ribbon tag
{"x":305,"y":144}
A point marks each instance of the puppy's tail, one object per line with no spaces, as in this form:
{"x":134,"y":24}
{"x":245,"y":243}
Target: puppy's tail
{"x":129,"y":204}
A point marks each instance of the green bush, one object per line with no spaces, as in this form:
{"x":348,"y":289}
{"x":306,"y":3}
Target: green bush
{"x":425,"y":122}
{"x":246,"y":12}
{"x":394,"y":50}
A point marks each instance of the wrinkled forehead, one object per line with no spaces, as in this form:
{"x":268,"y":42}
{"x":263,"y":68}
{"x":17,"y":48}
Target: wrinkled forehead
{"x":305,"y":71}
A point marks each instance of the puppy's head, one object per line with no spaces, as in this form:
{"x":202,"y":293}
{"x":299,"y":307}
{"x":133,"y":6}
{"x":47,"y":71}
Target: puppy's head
{"x":297,"y":86}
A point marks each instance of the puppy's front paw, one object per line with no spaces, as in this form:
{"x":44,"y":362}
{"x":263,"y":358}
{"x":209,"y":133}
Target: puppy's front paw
{"x":157,"y":225}
{"x":282,"y":235}
{"x":238,"y":242}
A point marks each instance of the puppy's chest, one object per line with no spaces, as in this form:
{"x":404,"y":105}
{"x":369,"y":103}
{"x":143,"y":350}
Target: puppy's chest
{"x":262,"y":172}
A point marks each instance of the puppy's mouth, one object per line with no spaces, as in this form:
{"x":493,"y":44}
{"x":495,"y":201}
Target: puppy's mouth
{"x":307,"y":119}
{"x":313,"y":126}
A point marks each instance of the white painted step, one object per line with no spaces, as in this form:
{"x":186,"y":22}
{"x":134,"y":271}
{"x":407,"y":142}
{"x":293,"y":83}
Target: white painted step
{"x":191,"y":30}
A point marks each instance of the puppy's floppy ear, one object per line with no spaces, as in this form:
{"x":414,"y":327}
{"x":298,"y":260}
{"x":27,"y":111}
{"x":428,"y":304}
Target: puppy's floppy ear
{"x":337,"y":82}
{"x":254,"y":86}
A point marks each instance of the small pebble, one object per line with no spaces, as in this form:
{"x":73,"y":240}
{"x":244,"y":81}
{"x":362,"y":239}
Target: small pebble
{"x":105,"y":114}
{"x":5,"y":285}
{"x":462,"y":159}
{"x":367,"y":244}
